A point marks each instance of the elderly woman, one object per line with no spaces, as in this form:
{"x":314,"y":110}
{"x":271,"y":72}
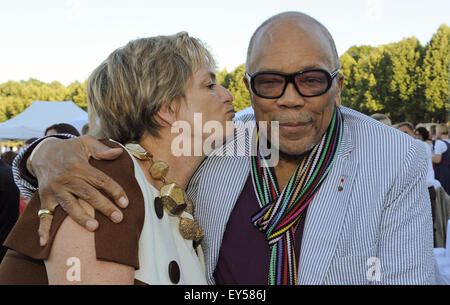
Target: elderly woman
{"x":137,"y":97}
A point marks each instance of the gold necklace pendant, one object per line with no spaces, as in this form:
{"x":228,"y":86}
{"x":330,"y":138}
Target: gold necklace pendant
{"x":190,"y":229}
{"x":138,"y":151}
{"x":159,"y":170}
{"x":189,"y":206}
{"x":173,"y":197}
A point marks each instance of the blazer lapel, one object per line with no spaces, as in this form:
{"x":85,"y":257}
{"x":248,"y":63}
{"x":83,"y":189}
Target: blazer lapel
{"x":217,"y":195}
{"x":325,"y":216}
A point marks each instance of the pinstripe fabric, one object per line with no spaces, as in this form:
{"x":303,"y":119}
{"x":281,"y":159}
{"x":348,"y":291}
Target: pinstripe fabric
{"x":382,"y":210}
{"x":26,"y":188}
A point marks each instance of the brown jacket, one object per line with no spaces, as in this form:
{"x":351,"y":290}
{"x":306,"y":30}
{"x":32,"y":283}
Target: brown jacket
{"x":23,"y":264}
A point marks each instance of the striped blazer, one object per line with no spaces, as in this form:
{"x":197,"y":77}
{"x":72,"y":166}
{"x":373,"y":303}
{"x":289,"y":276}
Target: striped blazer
{"x":370,"y":222}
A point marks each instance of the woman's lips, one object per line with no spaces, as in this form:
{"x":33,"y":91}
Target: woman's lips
{"x":231,"y":112}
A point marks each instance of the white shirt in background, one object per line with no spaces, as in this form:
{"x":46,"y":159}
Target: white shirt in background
{"x":440,"y":147}
{"x":431,"y":182}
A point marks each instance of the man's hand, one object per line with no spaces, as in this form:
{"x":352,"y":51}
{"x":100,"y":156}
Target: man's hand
{"x":64,"y":175}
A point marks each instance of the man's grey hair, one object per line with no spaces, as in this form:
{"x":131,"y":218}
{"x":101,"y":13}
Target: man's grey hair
{"x":407,"y":124}
{"x":298,"y":15}
{"x":379,"y":117}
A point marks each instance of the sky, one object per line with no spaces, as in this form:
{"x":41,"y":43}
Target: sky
{"x":65,"y":40}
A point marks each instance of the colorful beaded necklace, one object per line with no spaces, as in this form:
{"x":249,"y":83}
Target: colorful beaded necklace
{"x":280,"y":212}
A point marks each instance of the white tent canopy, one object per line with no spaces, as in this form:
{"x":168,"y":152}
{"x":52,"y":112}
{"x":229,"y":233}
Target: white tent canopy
{"x":35,"y":119}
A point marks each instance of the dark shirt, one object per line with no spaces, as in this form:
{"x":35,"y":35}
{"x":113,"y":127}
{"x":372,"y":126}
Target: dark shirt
{"x":244,"y":255}
{"x":9,"y":204}
{"x":442,"y":169}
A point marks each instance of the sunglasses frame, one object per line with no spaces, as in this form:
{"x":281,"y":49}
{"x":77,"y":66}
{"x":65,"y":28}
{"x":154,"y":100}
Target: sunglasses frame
{"x":290,"y":78}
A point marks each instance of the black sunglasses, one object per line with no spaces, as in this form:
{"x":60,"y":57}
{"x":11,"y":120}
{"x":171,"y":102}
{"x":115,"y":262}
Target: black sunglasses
{"x":308,"y":83}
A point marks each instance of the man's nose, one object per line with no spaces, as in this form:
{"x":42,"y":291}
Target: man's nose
{"x":291,"y":97}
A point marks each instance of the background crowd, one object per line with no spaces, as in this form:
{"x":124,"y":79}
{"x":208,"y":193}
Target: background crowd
{"x":435,"y":138}
{"x":12,"y":203}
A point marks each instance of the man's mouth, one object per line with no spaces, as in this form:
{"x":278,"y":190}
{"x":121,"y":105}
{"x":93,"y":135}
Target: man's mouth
{"x":294,"y":126}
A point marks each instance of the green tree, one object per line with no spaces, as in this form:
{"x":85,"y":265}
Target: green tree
{"x":403,"y":98}
{"x":76,"y":92}
{"x":221,"y":77}
{"x":404,"y":80}
{"x":350,"y":96}
{"x":435,"y":74}
{"x":233,"y":81}
{"x":16,"y":96}
{"x":358,"y":66}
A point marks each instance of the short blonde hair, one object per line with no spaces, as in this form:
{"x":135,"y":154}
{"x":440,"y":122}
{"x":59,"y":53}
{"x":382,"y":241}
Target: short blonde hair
{"x":125,"y":92}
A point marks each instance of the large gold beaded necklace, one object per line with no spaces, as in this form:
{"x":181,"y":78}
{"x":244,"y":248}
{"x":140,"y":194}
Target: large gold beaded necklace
{"x":172,"y":197}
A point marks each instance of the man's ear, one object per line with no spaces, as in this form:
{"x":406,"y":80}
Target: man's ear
{"x":247,"y":85}
{"x":166,"y":115}
{"x":249,"y":89}
{"x":340,"y":85}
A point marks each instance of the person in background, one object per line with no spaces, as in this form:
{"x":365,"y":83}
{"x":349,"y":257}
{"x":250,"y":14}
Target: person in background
{"x":432,"y":136}
{"x":441,"y":157}
{"x":61,"y":128}
{"x":407,"y":128}
{"x":382,"y":118}
{"x":9,"y":204}
{"x":29,"y":141}
{"x":422,"y":134}
{"x":433,"y":132}
{"x":8,"y":157}
{"x":5,"y":148}
{"x":20,"y":148}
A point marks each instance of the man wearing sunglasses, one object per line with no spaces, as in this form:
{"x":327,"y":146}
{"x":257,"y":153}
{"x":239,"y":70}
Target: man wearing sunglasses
{"x":346,"y":203}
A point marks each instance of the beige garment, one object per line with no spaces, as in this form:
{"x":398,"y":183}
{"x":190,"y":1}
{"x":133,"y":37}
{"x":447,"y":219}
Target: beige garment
{"x":161,"y":243}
